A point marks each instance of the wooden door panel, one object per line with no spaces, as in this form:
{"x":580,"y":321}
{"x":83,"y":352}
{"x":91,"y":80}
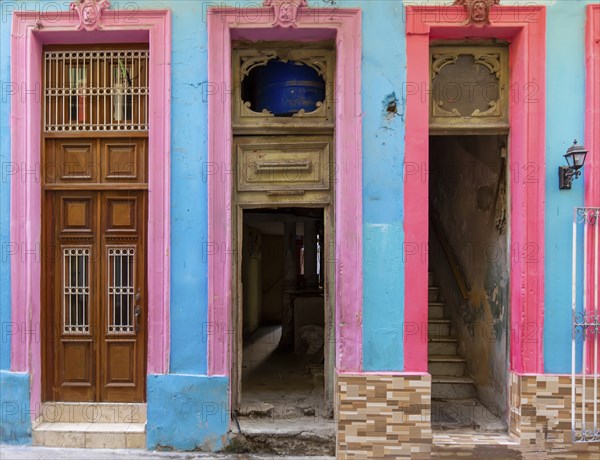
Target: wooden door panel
{"x":71,"y":160}
{"x":121,"y":213}
{"x":77,"y":370}
{"x":76,"y":213}
{"x":97,"y":268}
{"x":124,"y":291}
{"x":123,"y":160}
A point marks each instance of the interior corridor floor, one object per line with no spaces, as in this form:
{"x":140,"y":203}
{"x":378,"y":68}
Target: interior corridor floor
{"x":282,"y":410}
{"x":279,"y":384}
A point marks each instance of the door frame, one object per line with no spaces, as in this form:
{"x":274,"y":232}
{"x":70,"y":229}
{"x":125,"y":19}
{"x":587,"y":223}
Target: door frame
{"x":525,"y":29}
{"x":225,"y":24}
{"x":30,"y":31}
{"x":236,"y":388}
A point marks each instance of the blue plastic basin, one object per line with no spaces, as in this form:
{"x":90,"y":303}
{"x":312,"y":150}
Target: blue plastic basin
{"x":284,"y":88}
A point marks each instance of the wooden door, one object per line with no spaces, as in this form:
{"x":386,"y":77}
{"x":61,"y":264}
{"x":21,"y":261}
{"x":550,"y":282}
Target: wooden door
{"x":98,"y":299}
{"x":94,"y":274}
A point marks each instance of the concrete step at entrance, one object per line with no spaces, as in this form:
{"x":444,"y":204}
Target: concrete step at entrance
{"x":436,"y":310}
{"x":439,"y":328}
{"x":452,"y":387}
{"x":91,"y":425}
{"x":434,"y":294}
{"x":70,"y":412}
{"x":446,"y":365}
{"x":306,"y":436}
{"x":90,"y":435}
{"x":447,"y":346}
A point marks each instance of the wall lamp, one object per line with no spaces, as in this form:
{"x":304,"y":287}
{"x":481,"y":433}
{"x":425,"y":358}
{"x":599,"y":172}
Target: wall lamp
{"x":575,"y":157}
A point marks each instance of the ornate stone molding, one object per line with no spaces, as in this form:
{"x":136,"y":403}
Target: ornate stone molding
{"x":90,"y":12}
{"x":285,"y":11}
{"x":478,"y":11}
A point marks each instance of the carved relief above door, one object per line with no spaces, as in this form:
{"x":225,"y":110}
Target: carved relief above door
{"x":469,"y":89}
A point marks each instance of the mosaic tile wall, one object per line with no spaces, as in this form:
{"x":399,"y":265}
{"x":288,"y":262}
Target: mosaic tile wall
{"x":383,"y":416}
{"x":540,"y":415}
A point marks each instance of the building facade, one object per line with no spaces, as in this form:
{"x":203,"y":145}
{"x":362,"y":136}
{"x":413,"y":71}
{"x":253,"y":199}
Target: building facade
{"x":181,"y":230}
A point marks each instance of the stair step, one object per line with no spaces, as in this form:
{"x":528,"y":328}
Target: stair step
{"x":446,"y":358}
{"x":442,"y":345}
{"x":452,"y":387}
{"x":306,"y":436}
{"x":90,"y":435}
{"x":439,"y":327}
{"x":434,"y":294}
{"x":436,"y":310}
{"x":443,"y":365}
{"x":71,"y":412}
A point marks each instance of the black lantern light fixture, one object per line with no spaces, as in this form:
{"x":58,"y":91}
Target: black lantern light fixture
{"x":575,"y":157}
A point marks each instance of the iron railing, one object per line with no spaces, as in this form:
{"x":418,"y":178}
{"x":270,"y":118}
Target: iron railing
{"x":586,"y":327}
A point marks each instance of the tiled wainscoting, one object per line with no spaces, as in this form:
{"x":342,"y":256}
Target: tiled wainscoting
{"x":389,"y":416}
{"x":540,"y":415}
{"x":383,"y":416}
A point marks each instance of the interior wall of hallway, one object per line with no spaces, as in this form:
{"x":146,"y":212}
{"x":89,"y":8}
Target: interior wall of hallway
{"x":472,"y":209}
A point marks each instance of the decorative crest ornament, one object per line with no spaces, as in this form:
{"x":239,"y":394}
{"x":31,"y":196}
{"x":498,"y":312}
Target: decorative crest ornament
{"x":478,"y":11}
{"x":90,"y":12}
{"x":285,"y":11}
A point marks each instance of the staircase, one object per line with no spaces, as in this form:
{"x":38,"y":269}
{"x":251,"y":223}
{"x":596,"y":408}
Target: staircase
{"x":91,"y":425}
{"x":447,"y":368}
{"x":454,"y":402}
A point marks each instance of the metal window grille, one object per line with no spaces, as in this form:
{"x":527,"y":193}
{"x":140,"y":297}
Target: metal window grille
{"x":76,"y":290}
{"x":121,"y":290}
{"x":96,"y":90}
{"x":586,"y":326}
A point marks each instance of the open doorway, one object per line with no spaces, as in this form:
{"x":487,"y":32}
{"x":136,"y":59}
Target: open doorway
{"x":469,"y":282}
{"x":283,"y":306}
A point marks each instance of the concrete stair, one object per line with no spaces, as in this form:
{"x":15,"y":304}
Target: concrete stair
{"x":91,"y":425}
{"x":447,"y":368}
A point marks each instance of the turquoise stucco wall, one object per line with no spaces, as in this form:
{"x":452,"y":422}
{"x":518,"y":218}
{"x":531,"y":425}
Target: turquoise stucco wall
{"x":383,"y":81}
{"x":565,"y":121}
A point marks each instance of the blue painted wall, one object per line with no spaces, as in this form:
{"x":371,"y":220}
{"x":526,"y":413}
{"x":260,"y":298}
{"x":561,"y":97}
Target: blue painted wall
{"x":383,"y":77}
{"x":187,"y":412}
{"x":565,"y":118}
{"x":15,"y":419}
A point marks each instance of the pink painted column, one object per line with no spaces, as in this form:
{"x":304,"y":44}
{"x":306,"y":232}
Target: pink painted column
{"x":416,"y":202}
{"x":592,"y":143}
{"x":592,"y":113}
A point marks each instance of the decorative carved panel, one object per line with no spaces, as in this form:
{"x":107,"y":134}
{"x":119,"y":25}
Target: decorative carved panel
{"x":76,"y":214}
{"x":121,"y":214}
{"x":320,"y":59}
{"x":469,"y":88}
{"x":283,"y":163}
{"x":123,"y":160}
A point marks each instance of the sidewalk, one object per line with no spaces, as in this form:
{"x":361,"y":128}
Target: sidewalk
{"x":53,"y":453}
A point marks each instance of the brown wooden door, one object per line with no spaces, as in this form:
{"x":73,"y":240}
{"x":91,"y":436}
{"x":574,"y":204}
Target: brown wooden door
{"x":94,"y":275}
{"x":98,"y":299}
